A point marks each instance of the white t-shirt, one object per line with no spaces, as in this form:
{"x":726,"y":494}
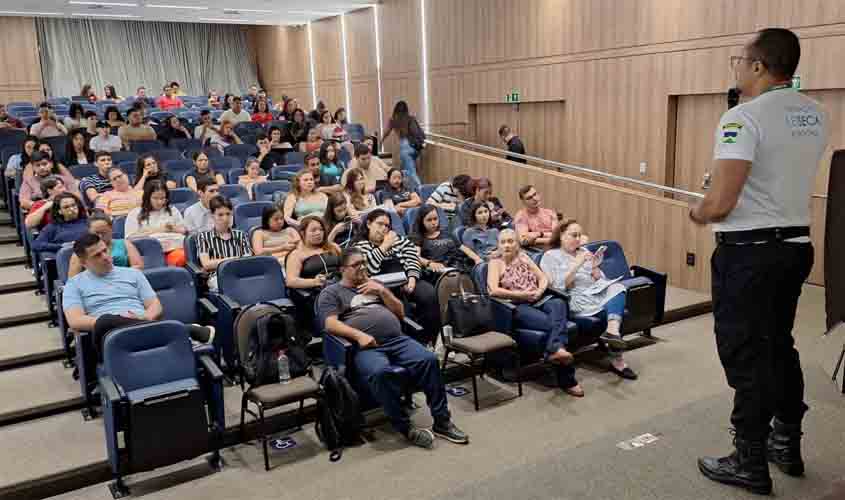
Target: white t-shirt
{"x":198,"y":218}
{"x":158,"y":218}
{"x":783,"y":133}
{"x":209,"y":134}
{"x":111,"y":143}
{"x":231,"y":116}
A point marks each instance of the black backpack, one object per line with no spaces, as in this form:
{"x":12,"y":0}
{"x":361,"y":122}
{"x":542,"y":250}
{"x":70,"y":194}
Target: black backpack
{"x":339,"y":419}
{"x":263,"y":330}
{"x":416,"y":135}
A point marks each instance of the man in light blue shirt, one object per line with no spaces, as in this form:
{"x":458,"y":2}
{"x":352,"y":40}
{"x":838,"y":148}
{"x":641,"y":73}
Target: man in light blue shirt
{"x":105,"y":297}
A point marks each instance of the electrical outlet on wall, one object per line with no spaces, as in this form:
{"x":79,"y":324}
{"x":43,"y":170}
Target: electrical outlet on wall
{"x":643,"y":167}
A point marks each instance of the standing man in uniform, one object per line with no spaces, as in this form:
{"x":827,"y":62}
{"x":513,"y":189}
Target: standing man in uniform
{"x":766,"y":156}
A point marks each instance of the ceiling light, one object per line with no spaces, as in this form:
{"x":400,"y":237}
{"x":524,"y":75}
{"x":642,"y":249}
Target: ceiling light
{"x":185,"y":7}
{"x":86,"y":14}
{"x":228,"y":20}
{"x":22,"y":13}
{"x":104,"y":4}
{"x":238,"y":11}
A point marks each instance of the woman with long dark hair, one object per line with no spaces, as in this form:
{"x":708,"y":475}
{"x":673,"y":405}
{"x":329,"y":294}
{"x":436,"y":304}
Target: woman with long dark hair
{"x":339,"y":221}
{"x":148,"y":169}
{"x":274,"y":237}
{"x":77,"y":151}
{"x":304,"y":199}
{"x":68,"y":224}
{"x":113,"y":117}
{"x":157,"y":219}
{"x":202,"y":169}
{"x":401,"y":197}
{"x":481,"y":236}
{"x":384,"y":251}
{"x":439,"y":249}
{"x":355,"y":191}
{"x":110,"y":93}
{"x":298,"y":128}
{"x":407,"y":127}
{"x":75,"y":117}
{"x":173,"y":129}
{"x":261,"y":112}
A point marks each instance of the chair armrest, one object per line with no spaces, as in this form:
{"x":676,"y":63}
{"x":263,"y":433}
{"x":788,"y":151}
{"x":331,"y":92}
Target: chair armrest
{"x":211,"y":368}
{"x":283,"y":303}
{"x":558,"y":293}
{"x":510,"y":306}
{"x":660,"y":280}
{"x":304,"y":293}
{"x":338,"y":351}
{"x":196,"y":270}
{"x":411,"y":324}
{"x":208,"y":307}
{"x":227,"y":301}
{"x":110,"y":391}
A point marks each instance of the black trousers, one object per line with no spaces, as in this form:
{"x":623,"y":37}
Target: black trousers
{"x":426,"y":310}
{"x":755,"y":294}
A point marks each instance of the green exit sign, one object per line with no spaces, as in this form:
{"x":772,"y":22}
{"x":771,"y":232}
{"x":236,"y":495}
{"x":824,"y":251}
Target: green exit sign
{"x":513,"y":96}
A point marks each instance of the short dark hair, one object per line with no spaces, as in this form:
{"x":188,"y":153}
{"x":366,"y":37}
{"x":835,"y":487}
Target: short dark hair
{"x":236,"y":99}
{"x":204,"y":182}
{"x":361,"y":149}
{"x":101,"y":154}
{"x":463,"y":183}
{"x":38,"y":156}
{"x":778,"y":49}
{"x":504,"y":130}
{"x":348,"y":253}
{"x":524,"y":190}
{"x":86,"y":241}
{"x":205,"y":112}
{"x":261,"y":136}
{"x":45,"y":104}
{"x":50,"y":182}
{"x":219,"y":202}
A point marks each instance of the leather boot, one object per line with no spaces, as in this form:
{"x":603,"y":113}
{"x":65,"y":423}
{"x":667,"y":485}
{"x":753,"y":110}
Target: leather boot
{"x":784,"y":448}
{"x":746,"y":467}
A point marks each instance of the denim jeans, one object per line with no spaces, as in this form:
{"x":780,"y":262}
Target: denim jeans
{"x":550,"y":317}
{"x":408,"y":157}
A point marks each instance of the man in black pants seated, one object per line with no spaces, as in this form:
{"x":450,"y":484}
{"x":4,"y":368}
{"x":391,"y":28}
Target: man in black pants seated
{"x":363,"y":311}
{"x":105,"y":297}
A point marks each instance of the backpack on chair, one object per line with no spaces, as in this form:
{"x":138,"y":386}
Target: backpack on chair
{"x":262,"y":331}
{"x":339,"y":418}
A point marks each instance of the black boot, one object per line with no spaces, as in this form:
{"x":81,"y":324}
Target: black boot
{"x":746,"y":467}
{"x":784,"y":448}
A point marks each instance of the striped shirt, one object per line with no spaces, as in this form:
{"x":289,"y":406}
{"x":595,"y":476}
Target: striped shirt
{"x":216,"y":247}
{"x":445,"y":193}
{"x":403,"y":249}
{"x":98,"y":182}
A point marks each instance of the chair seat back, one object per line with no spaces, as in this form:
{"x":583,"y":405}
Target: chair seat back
{"x":251,"y":280}
{"x":151,"y":251}
{"x":176,"y":291}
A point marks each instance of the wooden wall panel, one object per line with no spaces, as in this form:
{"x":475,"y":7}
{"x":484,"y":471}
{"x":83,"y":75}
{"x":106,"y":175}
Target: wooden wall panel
{"x":364,"y":97}
{"x":283,"y":62}
{"x":332,"y":93}
{"x":529,"y":120}
{"x":20,"y":65}
{"x":328,"y":49}
{"x":361,"y":44}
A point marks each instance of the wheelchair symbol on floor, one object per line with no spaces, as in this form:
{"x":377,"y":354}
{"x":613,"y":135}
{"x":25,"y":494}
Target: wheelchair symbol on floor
{"x":457,"y":391}
{"x":285,"y":443}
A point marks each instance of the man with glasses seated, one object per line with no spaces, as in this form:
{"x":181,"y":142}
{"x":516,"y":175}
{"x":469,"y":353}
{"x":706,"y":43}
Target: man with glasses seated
{"x":363,"y":311}
{"x":122,"y":198}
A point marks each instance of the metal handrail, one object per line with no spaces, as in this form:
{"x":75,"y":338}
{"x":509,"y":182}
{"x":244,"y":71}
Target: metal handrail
{"x":564,"y":166}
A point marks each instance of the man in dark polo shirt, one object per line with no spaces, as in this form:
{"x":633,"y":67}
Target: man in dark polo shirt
{"x":513,"y":142}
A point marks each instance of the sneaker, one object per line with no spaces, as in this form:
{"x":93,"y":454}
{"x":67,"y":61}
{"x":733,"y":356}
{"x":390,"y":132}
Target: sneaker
{"x":201,"y":334}
{"x":421,"y":437}
{"x":615,"y":341}
{"x":449,"y":431}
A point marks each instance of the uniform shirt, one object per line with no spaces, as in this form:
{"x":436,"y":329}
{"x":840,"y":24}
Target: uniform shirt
{"x":783,"y":133}
{"x":122,"y":290}
{"x":366,"y":313}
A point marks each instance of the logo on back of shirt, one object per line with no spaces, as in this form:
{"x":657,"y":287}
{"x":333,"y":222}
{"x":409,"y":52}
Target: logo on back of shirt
{"x":730,"y":132}
{"x":803,"y":121}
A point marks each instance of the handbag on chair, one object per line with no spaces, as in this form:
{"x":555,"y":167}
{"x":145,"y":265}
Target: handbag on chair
{"x":470,"y":314}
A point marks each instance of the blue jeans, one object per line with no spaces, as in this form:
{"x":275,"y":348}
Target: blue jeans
{"x":408,"y":157}
{"x":615,"y":307}
{"x":423,"y":371}
{"x":550,"y":317}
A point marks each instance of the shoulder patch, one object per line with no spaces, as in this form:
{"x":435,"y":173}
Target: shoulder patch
{"x":730,"y":131}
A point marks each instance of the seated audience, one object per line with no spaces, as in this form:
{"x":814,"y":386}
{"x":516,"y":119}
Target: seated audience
{"x":214,"y":99}
{"x":9,"y":122}
{"x":304,"y":199}
{"x":205,"y":131}
{"x":168,"y":101}
{"x":48,"y":125}
{"x":67,"y":225}
{"x":39,"y":212}
{"x":198,"y":216}
{"x":274,"y":237}
{"x":364,"y":312}
{"x":480,"y":236}
{"x":287,"y":109}
{"x":383,"y":249}
{"x":261,"y":112}
{"x":449,"y":195}
{"x":340,"y":117}
{"x":330,"y":169}
{"x":141,"y":96}
{"x":94,"y":185}
{"x":177,"y":89}
{"x":157,"y":219}
{"x":252,"y":93}
{"x":90,"y":120}
{"x":18,"y":162}
{"x":339,"y":222}
{"x":440,"y":249}
{"x":135,"y":130}
{"x":366,"y":163}
{"x":87,"y":92}
{"x":123,"y":252}
{"x":355,"y":191}
{"x":315,"y":114}
{"x":104,"y":141}
{"x":313,"y":142}
{"x":278,"y":142}
{"x":202,"y":170}
{"x":329,"y":130}
{"x":173,"y":129}
{"x":269,"y":157}
{"x":77,"y":151}
{"x":148,"y":169}
{"x":121,"y":198}
{"x":113,"y":117}
{"x":310,"y":267}
{"x":401,"y":197}
{"x":236,"y":114}
{"x":105,"y":297}
{"x":222,"y":242}
{"x":513,"y":143}
{"x":299,"y":129}
{"x":253,"y":175}
{"x":42,"y":167}
{"x":534,"y":224}
{"x":75,"y":117}
{"x":226,"y":137}
{"x":482,"y":190}
{"x":109,"y":93}
{"x":575,"y":271}
{"x":515,"y":277}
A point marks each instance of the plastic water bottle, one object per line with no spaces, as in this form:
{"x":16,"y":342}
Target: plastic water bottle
{"x":447,"y":334}
{"x":284,"y":367}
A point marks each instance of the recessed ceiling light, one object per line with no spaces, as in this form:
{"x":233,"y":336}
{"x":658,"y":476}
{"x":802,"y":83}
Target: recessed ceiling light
{"x":86,"y":14}
{"x":184,"y":7}
{"x":22,"y":13}
{"x":236,"y":11}
{"x":104,"y":4}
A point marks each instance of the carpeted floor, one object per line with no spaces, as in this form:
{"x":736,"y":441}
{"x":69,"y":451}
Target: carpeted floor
{"x":548,"y":445}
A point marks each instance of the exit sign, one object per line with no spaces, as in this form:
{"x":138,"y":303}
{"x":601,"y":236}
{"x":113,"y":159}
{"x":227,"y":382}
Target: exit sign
{"x":513,"y":96}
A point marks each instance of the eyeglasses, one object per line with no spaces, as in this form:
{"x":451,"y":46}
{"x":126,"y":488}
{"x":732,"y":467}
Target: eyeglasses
{"x":356,"y":265}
